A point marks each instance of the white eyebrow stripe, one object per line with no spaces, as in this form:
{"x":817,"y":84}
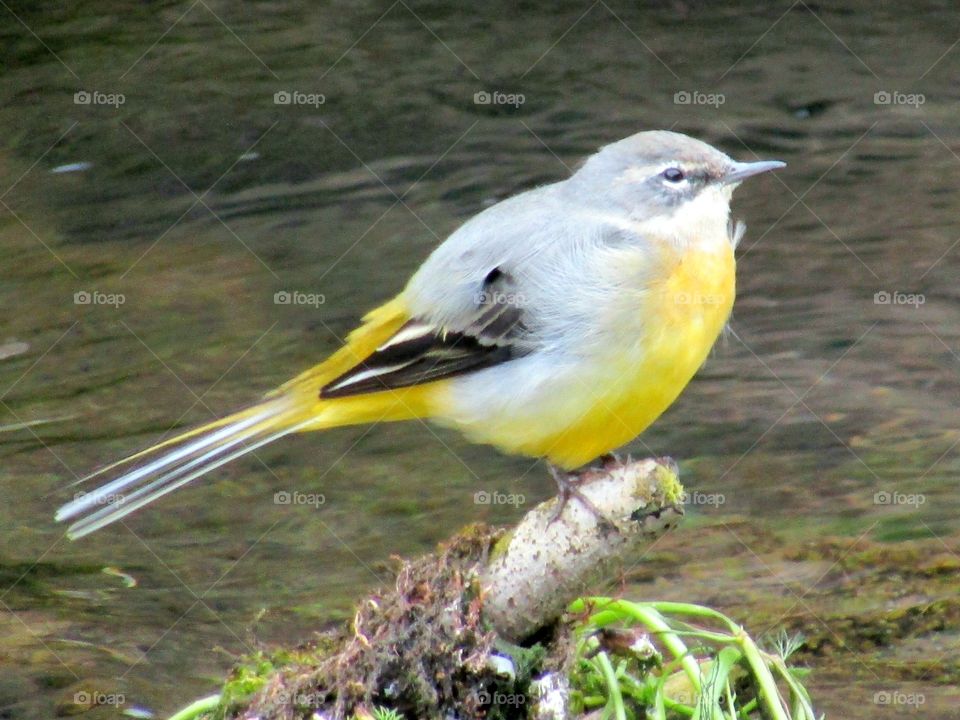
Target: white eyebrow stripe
{"x":643,"y":172}
{"x":663,"y":166}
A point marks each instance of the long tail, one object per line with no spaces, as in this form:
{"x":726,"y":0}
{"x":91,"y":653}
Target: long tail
{"x":188,"y":456}
{"x":294,"y":407}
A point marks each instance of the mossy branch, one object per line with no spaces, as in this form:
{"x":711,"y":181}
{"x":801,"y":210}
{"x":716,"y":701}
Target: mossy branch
{"x":445,"y":639}
{"x":543,"y":564}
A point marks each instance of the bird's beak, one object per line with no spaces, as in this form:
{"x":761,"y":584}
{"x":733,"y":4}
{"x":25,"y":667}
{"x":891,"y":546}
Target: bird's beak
{"x":740,"y":171}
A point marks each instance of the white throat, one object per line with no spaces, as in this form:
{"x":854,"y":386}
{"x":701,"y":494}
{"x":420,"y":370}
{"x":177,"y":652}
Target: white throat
{"x":700,"y":223}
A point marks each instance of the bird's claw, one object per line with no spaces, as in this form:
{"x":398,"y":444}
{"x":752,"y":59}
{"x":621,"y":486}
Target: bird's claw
{"x":567,"y":488}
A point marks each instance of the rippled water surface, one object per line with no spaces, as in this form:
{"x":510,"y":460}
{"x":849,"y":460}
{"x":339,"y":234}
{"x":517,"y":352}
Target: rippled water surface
{"x":832,"y":408}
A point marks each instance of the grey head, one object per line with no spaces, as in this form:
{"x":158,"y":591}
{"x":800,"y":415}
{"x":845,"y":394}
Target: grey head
{"x":657,"y":172}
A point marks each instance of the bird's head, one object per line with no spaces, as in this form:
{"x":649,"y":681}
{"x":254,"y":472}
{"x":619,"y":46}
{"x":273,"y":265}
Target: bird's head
{"x":661,"y":175}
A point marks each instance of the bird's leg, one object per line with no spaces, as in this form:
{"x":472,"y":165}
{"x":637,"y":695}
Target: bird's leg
{"x":567,"y":488}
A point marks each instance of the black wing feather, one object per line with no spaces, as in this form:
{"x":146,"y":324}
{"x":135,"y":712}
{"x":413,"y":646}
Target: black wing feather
{"x":420,"y":352}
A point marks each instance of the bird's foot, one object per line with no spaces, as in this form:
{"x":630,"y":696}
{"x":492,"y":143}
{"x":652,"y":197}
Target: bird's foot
{"x":567,"y":488}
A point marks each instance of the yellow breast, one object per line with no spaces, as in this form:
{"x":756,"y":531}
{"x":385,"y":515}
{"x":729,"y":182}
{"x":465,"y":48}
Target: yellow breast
{"x":681,"y":317}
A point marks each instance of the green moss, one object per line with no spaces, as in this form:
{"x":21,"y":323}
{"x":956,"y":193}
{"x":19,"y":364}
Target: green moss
{"x":418,"y":647}
{"x":500,"y":546}
{"x":669,"y":483}
{"x":251,"y":674}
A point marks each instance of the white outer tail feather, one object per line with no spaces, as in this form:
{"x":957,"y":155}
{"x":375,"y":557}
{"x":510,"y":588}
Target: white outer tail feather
{"x":196,"y":456}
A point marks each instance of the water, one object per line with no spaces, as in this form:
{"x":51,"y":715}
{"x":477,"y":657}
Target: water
{"x":183,"y":209}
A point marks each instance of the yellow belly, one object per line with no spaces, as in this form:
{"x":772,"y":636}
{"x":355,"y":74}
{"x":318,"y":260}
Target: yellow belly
{"x":682,"y":316}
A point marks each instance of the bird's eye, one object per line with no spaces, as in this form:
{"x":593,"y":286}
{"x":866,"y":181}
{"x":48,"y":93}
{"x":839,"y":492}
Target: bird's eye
{"x":673,"y":174}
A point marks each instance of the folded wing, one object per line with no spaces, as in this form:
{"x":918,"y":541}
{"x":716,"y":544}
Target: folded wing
{"x":492,"y":332}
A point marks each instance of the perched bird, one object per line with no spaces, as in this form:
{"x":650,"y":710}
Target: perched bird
{"x":557,"y":324}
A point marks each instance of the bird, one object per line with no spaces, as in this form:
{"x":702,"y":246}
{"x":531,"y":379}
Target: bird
{"x":557,"y":324}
